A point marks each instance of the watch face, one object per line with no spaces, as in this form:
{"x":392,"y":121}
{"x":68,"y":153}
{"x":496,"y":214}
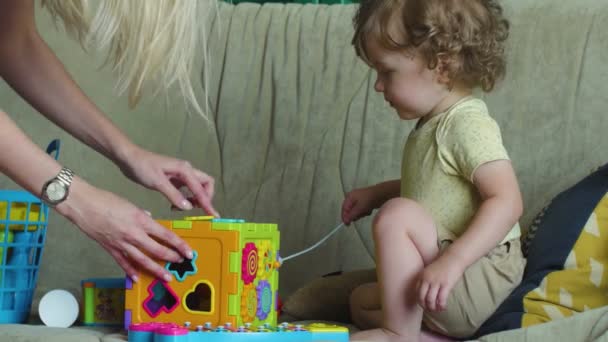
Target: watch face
{"x":55,"y":191}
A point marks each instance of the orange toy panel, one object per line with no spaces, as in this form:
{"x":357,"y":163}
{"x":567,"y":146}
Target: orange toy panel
{"x":201,"y":286}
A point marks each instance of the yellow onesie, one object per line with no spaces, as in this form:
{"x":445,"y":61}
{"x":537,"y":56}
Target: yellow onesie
{"x":439,"y":161}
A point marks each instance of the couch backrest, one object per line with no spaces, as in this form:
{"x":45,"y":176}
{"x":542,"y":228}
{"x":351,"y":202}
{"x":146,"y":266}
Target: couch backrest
{"x":297,"y":123}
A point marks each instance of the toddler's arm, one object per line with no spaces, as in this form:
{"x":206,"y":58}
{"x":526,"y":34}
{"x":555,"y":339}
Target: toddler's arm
{"x":361,"y":202}
{"x":386,"y":191}
{"x":500,"y":209}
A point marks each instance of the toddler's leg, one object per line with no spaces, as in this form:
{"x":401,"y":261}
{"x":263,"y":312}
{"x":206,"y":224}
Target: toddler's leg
{"x":366,"y":311}
{"x":406,"y":240}
{"x":365,"y":306}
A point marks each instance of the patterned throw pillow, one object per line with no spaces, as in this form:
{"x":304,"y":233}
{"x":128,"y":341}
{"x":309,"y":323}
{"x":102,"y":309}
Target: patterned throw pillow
{"x":531,"y":233}
{"x":567,"y":268}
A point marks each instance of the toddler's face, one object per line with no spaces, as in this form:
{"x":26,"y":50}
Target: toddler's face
{"x":406,"y":82}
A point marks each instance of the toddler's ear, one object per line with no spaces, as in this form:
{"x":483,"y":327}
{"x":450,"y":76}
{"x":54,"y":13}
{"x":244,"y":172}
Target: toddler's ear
{"x":442,"y":70}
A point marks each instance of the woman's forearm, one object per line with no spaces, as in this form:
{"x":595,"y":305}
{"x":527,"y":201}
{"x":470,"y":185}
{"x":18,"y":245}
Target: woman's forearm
{"x":23,"y":161}
{"x":30,"y":67}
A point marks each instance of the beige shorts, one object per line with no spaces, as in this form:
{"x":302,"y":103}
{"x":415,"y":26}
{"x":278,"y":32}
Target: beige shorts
{"x":482,"y":288}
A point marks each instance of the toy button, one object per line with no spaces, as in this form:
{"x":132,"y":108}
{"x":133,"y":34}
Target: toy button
{"x":198,"y":218}
{"x":227,"y":220}
{"x":322,"y":327}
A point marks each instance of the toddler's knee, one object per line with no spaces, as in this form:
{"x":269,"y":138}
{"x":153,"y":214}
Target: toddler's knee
{"x":396,"y":210}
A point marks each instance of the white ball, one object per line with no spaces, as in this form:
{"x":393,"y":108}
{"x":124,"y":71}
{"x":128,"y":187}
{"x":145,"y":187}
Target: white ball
{"x":58,"y":308}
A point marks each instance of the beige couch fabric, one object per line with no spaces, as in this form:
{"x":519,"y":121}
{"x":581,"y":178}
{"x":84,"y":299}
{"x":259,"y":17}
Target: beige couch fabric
{"x":296,"y":124}
{"x":297,"y":112}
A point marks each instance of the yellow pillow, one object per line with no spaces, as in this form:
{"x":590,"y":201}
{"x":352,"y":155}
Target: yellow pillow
{"x":582,"y":284}
{"x":567,"y":260}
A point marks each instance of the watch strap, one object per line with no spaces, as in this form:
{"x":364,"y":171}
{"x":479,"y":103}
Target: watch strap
{"x":65,"y":176}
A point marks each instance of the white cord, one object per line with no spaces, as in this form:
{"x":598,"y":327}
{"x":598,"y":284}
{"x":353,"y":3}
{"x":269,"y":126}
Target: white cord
{"x":313,"y":246}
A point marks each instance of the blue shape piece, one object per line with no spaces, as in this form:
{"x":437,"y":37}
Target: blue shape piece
{"x":226,"y":220}
{"x":154,"y":305}
{"x":183,"y":269}
{"x":161,"y":298}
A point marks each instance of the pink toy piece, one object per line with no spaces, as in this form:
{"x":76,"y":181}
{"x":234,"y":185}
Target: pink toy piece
{"x":145,"y":327}
{"x":167,"y":325}
{"x":249,"y":263}
{"x":172,"y":331}
{"x":158,"y":301}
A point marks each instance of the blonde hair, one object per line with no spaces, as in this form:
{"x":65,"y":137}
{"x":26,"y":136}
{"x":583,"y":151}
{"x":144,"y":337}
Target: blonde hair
{"x":470,"y":33}
{"x":146,"y":40}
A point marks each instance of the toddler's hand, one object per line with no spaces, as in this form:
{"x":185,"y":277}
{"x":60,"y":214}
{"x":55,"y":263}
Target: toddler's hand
{"x":436,"y":282}
{"x":357,"y":204}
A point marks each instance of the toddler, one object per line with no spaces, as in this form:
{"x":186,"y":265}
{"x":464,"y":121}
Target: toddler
{"x":446,"y":234}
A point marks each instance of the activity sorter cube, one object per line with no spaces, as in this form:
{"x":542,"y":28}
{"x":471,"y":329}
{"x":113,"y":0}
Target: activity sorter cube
{"x":231,"y":281}
{"x":285,"y":332}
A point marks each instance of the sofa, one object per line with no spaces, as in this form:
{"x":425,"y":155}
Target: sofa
{"x":295,"y":123}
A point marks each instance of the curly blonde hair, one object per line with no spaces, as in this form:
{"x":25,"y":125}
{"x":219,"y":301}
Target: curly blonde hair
{"x":147,"y":41}
{"x":467,"y":36}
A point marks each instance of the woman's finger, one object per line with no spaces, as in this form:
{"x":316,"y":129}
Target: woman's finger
{"x":124,"y":263}
{"x":147,"y":263}
{"x":201,"y":195}
{"x":169,"y":238}
{"x":173,"y":194}
{"x":207,"y":181}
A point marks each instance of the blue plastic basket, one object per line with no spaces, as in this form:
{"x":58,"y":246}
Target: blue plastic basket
{"x":23,"y":232}
{"x":23,"y":223}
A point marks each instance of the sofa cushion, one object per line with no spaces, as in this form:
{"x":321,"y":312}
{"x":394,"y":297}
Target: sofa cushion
{"x":327,"y":298}
{"x":41,"y":333}
{"x":567,"y":256}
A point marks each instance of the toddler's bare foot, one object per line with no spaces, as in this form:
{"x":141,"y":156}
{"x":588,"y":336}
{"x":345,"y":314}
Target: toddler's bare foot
{"x":380,"y":335}
{"x":426,"y":336}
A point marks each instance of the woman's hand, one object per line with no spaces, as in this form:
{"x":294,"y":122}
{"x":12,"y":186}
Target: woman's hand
{"x":167,"y":175}
{"x":128,"y":233}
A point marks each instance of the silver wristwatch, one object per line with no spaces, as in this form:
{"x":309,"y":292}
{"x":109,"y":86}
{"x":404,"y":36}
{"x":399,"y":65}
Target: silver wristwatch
{"x":56,"y":190}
